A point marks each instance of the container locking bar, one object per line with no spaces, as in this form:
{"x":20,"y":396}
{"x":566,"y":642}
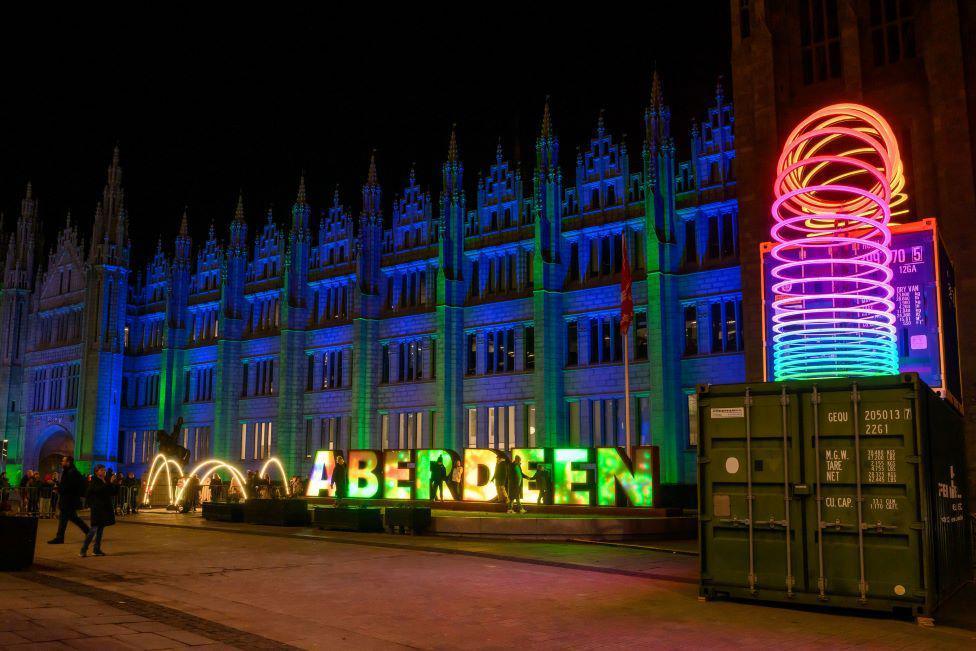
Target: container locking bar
{"x":862,"y":583}
{"x":747,"y":403}
{"x":821,"y":581}
{"x":784,"y":401}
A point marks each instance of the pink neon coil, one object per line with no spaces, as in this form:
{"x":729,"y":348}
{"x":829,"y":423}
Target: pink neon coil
{"x":838,"y":178}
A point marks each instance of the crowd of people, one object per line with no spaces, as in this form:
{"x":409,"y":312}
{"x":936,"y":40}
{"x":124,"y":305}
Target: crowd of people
{"x":40,"y":495}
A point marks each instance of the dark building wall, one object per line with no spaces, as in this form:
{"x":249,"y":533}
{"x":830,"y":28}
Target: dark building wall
{"x":924,"y":87}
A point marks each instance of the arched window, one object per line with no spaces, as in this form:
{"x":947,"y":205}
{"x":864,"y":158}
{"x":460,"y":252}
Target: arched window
{"x":595,"y":198}
{"x":611,"y":195}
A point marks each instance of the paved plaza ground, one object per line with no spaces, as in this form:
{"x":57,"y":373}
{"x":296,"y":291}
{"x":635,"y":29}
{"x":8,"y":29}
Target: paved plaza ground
{"x":204,"y":584}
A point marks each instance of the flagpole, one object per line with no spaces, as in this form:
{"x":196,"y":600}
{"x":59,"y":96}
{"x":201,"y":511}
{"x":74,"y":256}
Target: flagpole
{"x":627,"y":391}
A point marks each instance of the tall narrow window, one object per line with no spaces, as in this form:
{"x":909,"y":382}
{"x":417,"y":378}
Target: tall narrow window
{"x":472,"y":427}
{"x":594,"y":342}
{"x":716,"y":327}
{"x":819,"y":40}
{"x":640,"y":336}
{"x":728,"y":235}
{"x":731,"y":327}
{"x":475,"y":288}
{"x":892,"y":31}
{"x":572,"y":344}
{"x":472,"y":354}
{"x":385,"y":363}
{"x":691,"y":330}
{"x":606,"y":256}
{"x":691,"y":243}
{"x":713,"y":239}
{"x":574,"y":261}
{"x":528,"y":345}
{"x":617,"y":255}
{"x":490,"y":352}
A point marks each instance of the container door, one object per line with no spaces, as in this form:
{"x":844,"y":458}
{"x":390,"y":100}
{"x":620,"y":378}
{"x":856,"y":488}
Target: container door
{"x":866,"y":525}
{"x":749,"y":523}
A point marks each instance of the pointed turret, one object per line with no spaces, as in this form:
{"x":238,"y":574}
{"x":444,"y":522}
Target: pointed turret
{"x":452,"y":169}
{"x":371,"y":191}
{"x":546,"y":145}
{"x":546,"y":130}
{"x":110,"y":231}
{"x":300,"y":210}
{"x":21,"y":248}
{"x":547,"y":194}
{"x":370,"y":236}
{"x":238,"y":227}
{"x":183,"y":242}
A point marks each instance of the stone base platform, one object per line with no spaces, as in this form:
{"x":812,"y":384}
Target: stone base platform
{"x":481,"y":520}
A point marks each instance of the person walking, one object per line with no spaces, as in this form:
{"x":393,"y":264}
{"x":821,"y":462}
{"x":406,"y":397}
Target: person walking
{"x":457,"y":476}
{"x":340,"y":478}
{"x":99,"y":496}
{"x":71,"y":488}
{"x":438,"y":475}
{"x":515,"y":479}
{"x":502,"y":468}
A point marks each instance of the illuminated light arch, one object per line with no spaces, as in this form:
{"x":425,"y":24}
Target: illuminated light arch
{"x":838,"y":178}
{"x":284,"y":477}
{"x":212,"y":465}
{"x":159,"y":463}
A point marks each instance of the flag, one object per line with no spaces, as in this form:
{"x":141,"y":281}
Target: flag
{"x":626,"y":291}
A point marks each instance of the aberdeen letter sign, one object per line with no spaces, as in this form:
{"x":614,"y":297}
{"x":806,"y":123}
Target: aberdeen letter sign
{"x":580,"y":476}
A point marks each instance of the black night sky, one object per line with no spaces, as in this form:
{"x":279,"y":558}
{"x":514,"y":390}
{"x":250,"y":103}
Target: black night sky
{"x":203,"y":106}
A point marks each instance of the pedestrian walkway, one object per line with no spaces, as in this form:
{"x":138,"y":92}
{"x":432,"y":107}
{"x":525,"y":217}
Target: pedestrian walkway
{"x":310,"y":589}
{"x":44,"y":611}
{"x":630,"y":560}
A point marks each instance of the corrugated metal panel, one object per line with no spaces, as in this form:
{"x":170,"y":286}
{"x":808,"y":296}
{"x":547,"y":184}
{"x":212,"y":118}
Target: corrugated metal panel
{"x":829,"y":492}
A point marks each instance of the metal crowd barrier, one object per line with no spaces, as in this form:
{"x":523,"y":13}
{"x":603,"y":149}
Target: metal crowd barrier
{"x":40,"y":501}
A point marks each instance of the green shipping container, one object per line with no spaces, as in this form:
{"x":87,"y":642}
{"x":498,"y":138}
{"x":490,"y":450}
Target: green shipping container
{"x":844,"y":493}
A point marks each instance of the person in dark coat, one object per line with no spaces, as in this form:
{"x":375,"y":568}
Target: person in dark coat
{"x":340,"y":478}
{"x":502,"y":469}
{"x":515,"y":479}
{"x":99,"y":496}
{"x":543,"y":482}
{"x":438,"y":475}
{"x":70,"y":488}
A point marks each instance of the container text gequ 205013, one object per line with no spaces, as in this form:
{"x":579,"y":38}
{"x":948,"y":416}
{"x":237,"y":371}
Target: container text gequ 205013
{"x":835,"y":492}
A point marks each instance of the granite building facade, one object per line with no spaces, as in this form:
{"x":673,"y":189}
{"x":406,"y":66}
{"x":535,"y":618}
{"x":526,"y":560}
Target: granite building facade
{"x":438,"y":319}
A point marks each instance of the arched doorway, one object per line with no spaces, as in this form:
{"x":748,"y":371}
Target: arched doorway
{"x":58,"y":443}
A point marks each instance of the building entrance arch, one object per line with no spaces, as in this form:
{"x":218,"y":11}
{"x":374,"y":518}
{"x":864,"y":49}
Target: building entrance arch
{"x":58,"y":442}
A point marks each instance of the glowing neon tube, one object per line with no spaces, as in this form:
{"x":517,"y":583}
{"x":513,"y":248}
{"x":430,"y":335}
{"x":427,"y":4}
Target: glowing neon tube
{"x":838,"y":178}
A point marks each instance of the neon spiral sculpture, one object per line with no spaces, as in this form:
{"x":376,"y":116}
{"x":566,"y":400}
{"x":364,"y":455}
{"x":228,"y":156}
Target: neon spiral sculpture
{"x":838,"y":178}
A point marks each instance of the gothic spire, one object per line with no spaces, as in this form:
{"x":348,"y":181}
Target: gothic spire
{"x":371,"y":177}
{"x":452,"y":146}
{"x":300,"y":211}
{"x":239,"y":211}
{"x":371,"y":190}
{"x":546,"y":130}
{"x":657,"y":96}
{"x":601,"y":126}
{"x":184,"y":227}
{"x":301,"y":190}
{"x":498,"y":151}
{"x":28,"y":207}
